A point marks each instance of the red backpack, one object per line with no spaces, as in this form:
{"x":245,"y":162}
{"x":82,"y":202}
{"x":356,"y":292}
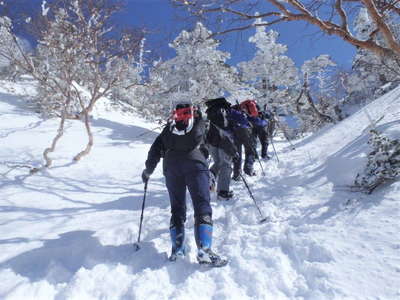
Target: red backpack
{"x":249,"y":107}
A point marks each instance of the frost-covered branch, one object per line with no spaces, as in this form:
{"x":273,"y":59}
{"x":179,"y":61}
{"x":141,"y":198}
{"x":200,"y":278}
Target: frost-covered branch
{"x":80,"y":58}
{"x":240,"y":15}
{"x":383,"y":163}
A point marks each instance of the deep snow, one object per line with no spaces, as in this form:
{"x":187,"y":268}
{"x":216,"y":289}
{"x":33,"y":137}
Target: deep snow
{"x":67,"y":233}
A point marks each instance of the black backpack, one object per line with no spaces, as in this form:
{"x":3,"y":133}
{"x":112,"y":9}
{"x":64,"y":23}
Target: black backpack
{"x":218,"y":135}
{"x":217,"y":112}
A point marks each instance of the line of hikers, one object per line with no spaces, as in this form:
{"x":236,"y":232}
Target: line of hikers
{"x":186,"y":143}
{"x":232,"y":128}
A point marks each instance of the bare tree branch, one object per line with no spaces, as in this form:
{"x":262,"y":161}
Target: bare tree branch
{"x":79,"y":60}
{"x":382,"y":25}
{"x":342,"y":15}
{"x":310,"y":12}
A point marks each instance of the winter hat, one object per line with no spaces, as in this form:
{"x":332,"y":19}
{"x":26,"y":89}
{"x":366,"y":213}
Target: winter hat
{"x":182,"y":118}
{"x":221,"y":101}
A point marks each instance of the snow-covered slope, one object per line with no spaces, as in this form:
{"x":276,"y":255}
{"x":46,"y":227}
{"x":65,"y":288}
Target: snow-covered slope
{"x":67,"y":233}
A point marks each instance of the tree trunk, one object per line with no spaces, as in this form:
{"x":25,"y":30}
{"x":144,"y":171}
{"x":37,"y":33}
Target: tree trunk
{"x":324,"y":118}
{"x":89,"y":145}
{"x":297,"y":101}
{"x":60,"y":133}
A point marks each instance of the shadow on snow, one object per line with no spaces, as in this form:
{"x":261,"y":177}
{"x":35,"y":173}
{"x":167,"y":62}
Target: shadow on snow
{"x":335,"y":171}
{"x":126,"y":133}
{"x":59,"y":259}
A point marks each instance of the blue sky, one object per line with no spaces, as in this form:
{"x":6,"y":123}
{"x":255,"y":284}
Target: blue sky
{"x":304,"y":42}
{"x":160,"y":18}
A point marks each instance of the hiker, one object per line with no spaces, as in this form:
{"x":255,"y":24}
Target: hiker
{"x":264,"y":134}
{"x":243,"y":139}
{"x":181,"y":144}
{"x":259,"y":125}
{"x":221,"y":145}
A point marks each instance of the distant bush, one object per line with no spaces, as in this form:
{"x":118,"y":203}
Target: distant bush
{"x":383,"y":163}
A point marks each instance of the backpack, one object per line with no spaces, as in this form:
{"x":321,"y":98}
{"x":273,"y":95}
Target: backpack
{"x":217,"y":112}
{"x":268,"y":116}
{"x":258,"y":122}
{"x":238,"y":119}
{"x":219,"y":134}
{"x":250,"y":107}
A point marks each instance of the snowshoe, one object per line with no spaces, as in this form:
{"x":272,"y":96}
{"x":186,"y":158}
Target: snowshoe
{"x":236,"y":177}
{"x":203,"y":234}
{"x":265,"y":157}
{"x":250,"y":172}
{"x":208,"y":257}
{"x":175,"y":254}
{"x":225,"y":195}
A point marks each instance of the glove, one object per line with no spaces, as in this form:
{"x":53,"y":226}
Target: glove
{"x":145,"y":175}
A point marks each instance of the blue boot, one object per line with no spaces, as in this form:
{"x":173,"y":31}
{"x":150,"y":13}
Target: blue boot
{"x":203,"y":235}
{"x":178,"y":242}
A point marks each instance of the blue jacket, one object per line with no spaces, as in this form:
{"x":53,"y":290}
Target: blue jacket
{"x":238,"y":119}
{"x":257,"y":121}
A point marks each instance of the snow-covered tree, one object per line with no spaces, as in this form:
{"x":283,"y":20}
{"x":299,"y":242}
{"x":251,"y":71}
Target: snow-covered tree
{"x":79,"y":59}
{"x":278,"y":83}
{"x":372,"y":75}
{"x":270,"y":71}
{"x":332,"y":17}
{"x":131,"y":86}
{"x":383,"y":162}
{"x":198,"y":71}
{"x":315,"y":105}
{"x":316,"y":68}
{"x":10,"y":46}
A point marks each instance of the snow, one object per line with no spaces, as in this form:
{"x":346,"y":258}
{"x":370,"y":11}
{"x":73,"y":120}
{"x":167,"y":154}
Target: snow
{"x":45,"y":9}
{"x":67,"y":233}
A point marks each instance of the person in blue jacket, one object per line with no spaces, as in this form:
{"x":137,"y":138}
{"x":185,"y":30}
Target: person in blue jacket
{"x":181,"y":145}
{"x":260,"y":125}
{"x":243,"y":139}
{"x":264,"y":127}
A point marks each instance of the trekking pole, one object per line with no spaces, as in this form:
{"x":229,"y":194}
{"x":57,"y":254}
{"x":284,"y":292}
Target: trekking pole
{"x":259,"y":161}
{"x":136,"y":245}
{"x":262,"y":168}
{"x":273,"y":146}
{"x":263,"y":219}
